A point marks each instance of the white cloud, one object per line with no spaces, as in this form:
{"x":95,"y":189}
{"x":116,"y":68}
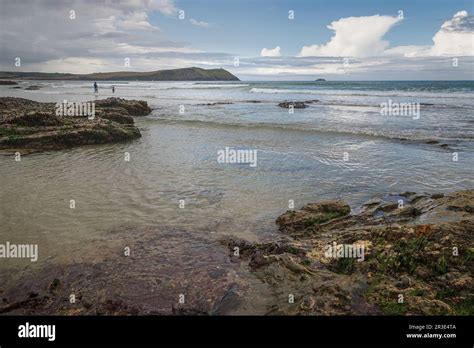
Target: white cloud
{"x":101,"y":31}
{"x":456,"y":37}
{"x":363,"y":37}
{"x":73,"y":65}
{"x":100,"y":39}
{"x":136,"y":21}
{"x":87,"y":65}
{"x":166,"y":7}
{"x":199,"y":23}
{"x":354,"y":37}
{"x":371,"y":68}
{"x":405,"y":51}
{"x":271,"y":52}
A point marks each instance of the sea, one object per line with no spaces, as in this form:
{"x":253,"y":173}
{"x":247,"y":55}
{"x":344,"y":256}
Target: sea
{"x":353,"y":141}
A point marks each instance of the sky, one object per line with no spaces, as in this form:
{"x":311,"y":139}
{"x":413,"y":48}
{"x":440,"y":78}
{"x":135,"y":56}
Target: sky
{"x":253,"y":39}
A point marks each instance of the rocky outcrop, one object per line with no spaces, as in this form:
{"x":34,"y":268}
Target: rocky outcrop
{"x":405,"y":254}
{"x":148,"y":282}
{"x":312,"y":214}
{"x":33,"y":88}
{"x":133,"y":107}
{"x":7,"y":83}
{"x":33,"y":126}
{"x":398,"y":264}
{"x":216,"y":103}
{"x":297,"y":104}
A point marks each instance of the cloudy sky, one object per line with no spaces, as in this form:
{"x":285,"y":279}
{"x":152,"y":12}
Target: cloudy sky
{"x":254,"y":39}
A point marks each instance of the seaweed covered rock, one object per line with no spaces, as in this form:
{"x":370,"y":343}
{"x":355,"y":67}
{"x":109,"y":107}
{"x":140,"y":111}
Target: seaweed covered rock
{"x":116,"y":114}
{"x":35,"y":126}
{"x":411,"y":258}
{"x":133,"y":107}
{"x":296,"y":104}
{"x":7,"y":83}
{"x":312,"y":215}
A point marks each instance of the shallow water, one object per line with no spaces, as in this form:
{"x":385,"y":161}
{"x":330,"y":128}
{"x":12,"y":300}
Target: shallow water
{"x":331,"y":149}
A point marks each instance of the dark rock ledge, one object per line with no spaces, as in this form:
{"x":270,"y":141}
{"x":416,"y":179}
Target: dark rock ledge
{"x":408,"y":251}
{"x":421,"y":252}
{"x":31,"y":126}
{"x":297,"y":104}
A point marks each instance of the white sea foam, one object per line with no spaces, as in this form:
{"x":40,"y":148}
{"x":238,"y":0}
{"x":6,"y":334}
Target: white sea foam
{"x":284,"y":91}
{"x":365,"y":93}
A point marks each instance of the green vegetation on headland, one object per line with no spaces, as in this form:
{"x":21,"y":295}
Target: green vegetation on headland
{"x":184,"y":74}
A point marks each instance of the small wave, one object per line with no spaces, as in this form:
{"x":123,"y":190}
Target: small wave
{"x":343,"y":103}
{"x":420,"y":139}
{"x":219,"y":85}
{"x":284,"y":91}
{"x":352,"y":93}
{"x":360,"y":105}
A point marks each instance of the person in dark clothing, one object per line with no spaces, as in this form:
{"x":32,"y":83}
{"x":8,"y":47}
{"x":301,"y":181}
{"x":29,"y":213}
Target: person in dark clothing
{"x":96,"y":89}
{"x":113,"y":89}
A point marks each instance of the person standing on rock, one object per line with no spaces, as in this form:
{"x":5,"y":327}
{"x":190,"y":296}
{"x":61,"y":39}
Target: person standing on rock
{"x":96,"y":89}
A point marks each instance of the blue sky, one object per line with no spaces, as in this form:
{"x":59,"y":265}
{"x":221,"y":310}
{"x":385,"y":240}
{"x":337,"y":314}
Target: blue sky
{"x":368,"y":35}
{"x":245,"y":26}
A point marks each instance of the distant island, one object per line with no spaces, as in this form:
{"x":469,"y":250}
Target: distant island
{"x":184,"y":74}
{"x":320,"y":80}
